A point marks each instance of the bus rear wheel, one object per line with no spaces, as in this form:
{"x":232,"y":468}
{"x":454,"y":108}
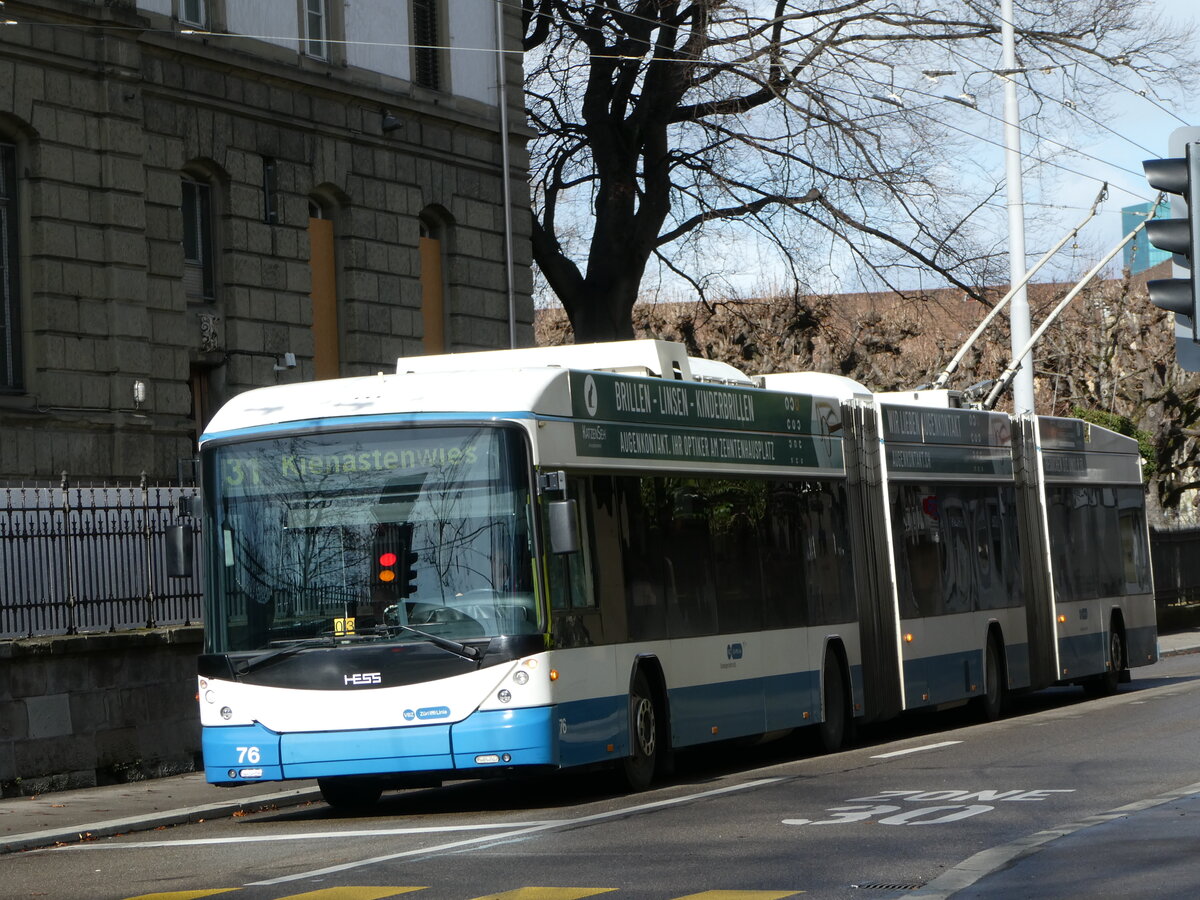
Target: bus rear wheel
{"x":348,"y":794}
{"x":834,"y":727}
{"x":995,"y":693}
{"x":638,"y":767}
{"x":1106,"y":684}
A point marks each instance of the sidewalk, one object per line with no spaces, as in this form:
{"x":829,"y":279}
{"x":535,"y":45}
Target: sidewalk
{"x":69,"y":816}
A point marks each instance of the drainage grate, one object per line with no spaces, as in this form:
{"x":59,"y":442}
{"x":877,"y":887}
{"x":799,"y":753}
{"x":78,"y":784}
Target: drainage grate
{"x":888,"y":885}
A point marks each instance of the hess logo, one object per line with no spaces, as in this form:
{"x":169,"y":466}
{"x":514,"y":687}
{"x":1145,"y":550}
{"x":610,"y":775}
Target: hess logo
{"x":361,"y":678}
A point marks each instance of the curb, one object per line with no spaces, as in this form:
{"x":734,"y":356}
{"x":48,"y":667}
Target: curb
{"x":1182,"y":651}
{"x":79,"y":833}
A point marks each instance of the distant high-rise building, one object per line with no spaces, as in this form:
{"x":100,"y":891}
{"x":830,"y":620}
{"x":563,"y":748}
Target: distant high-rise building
{"x":1140,"y":254}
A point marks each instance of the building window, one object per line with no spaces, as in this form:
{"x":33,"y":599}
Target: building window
{"x":192,"y":12}
{"x":10,"y":295}
{"x":316,"y":29}
{"x":199,"y":275}
{"x":270,"y":189}
{"x":326,"y":331}
{"x":427,"y":64}
{"x":433,"y":285}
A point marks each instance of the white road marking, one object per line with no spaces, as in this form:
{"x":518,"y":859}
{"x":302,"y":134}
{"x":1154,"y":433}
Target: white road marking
{"x":915,"y":749}
{"x":985,"y":862}
{"x":517,"y":832}
{"x":305,"y":836}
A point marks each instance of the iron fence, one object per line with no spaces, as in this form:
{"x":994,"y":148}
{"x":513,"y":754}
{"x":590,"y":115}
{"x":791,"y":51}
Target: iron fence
{"x":1176,"y":558}
{"x":86,"y":559}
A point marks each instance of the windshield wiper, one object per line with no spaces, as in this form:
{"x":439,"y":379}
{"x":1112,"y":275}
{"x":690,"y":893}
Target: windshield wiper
{"x":466,"y":651}
{"x":245,"y":666}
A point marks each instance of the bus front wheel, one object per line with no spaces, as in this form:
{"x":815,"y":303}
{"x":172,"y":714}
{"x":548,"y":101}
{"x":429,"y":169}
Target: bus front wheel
{"x":638,"y":767}
{"x":1106,"y":684}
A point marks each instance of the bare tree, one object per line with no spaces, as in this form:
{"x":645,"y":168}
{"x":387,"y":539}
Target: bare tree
{"x":668,"y":130}
{"x":1111,"y":352}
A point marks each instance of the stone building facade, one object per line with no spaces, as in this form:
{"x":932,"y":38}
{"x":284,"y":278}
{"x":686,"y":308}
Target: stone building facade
{"x":198,"y":197}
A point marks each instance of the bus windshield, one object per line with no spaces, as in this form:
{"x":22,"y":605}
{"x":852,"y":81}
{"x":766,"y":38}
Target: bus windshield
{"x":379,"y":533}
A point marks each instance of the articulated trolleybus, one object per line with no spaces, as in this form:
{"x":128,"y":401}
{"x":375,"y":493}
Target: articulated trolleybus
{"x":537,"y":559}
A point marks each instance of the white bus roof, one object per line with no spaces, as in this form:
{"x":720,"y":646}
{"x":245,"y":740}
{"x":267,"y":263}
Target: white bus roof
{"x":540,"y":391}
{"x":664,"y":359}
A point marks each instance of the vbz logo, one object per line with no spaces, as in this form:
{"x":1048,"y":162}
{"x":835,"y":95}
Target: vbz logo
{"x":734,"y":651}
{"x":360,"y":678}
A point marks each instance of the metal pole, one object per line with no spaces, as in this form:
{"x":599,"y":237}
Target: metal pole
{"x":148,"y":536}
{"x":72,"y":620}
{"x":1019,"y":317}
{"x":506,"y":179}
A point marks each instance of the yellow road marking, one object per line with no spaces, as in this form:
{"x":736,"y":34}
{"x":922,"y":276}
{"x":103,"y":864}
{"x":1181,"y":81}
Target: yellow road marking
{"x":352,"y":893}
{"x":740,"y":895}
{"x":546,"y":893}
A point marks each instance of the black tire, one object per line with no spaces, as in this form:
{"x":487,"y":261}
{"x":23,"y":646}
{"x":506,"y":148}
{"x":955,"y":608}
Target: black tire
{"x":638,"y":768}
{"x":995,"y":690}
{"x":349,"y":794}
{"x":1106,"y":685}
{"x":834,"y":727}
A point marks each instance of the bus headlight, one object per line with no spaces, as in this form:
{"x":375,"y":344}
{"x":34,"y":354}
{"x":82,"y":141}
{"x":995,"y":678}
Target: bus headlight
{"x":521,"y":677}
{"x":226,"y":712}
{"x":504,"y":696}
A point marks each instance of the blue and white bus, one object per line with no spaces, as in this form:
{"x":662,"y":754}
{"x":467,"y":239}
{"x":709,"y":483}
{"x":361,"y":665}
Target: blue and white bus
{"x":572,"y":556}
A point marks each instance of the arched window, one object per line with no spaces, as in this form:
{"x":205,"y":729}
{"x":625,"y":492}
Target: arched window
{"x":199,"y":256}
{"x":326,"y":328}
{"x":433,"y":282}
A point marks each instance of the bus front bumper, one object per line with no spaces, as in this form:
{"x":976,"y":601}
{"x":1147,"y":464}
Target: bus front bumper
{"x":238,"y":754}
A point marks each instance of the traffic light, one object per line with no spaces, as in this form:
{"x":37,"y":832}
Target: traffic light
{"x":394,"y":561}
{"x":1179,"y":234}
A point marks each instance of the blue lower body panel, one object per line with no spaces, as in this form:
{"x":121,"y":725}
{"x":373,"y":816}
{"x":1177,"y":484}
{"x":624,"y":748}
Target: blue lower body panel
{"x":957,"y":676}
{"x":1143,"y":646}
{"x":1082,"y":655}
{"x":494,"y":739}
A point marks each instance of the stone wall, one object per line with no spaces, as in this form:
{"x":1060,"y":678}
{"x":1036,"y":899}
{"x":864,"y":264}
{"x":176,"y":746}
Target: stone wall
{"x":83,"y":710}
{"x":108,"y":109}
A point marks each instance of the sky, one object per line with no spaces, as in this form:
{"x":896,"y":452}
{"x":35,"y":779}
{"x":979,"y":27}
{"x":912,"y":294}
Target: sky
{"x":1138,"y":128}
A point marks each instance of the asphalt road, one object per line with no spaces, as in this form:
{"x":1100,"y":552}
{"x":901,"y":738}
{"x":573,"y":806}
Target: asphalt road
{"x":896,"y":816}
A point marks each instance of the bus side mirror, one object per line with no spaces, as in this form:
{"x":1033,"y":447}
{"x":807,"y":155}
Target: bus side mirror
{"x":179,"y":550}
{"x":564,"y":526}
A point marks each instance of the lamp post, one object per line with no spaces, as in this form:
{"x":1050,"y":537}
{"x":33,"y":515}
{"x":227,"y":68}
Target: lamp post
{"x":1019,"y":311}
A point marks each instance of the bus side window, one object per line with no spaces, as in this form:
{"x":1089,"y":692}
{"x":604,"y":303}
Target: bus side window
{"x":570,"y":574}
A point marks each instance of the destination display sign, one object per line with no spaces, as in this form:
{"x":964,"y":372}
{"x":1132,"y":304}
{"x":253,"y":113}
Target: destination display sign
{"x":1063,"y":434}
{"x":919,"y":441}
{"x":1075,"y":450}
{"x":928,"y":459}
{"x":640,"y":418}
{"x":972,"y":427}
{"x":1099,"y":468}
